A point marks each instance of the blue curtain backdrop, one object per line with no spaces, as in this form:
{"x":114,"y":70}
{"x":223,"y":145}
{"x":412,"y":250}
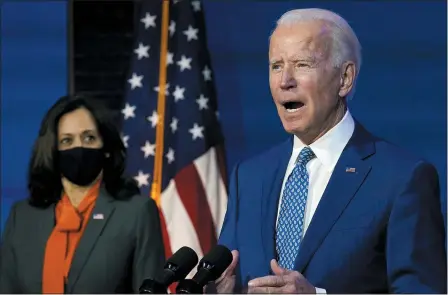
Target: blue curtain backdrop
{"x":33,"y":74}
{"x":401,"y":94}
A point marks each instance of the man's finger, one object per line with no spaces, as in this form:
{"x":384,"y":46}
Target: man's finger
{"x":264,"y":290}
{"x":230,"y":270}
{"x":226,"y":286}
{"x":235,"y":257}
{"x":268,"y":281}
{"x":277,"y":269}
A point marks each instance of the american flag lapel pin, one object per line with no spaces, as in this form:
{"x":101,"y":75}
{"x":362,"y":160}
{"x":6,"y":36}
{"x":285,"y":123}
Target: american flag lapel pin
{"x":350,"y":170}
{"x":98,"y":216}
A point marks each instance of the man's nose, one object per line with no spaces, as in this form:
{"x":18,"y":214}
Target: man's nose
{"x":288,"y":80}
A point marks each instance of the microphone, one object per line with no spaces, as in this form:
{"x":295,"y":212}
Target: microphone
{"x":210,"y":268}
{"x":175,"y":269}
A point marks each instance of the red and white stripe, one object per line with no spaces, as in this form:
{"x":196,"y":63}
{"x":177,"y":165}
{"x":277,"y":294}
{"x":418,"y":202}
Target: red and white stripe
{"x":194,"y":203}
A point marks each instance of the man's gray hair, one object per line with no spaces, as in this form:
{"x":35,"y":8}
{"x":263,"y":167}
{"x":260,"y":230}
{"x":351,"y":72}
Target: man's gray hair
{"x":346,"y":45}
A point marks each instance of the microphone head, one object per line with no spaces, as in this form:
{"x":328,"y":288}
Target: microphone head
{"x":216,"y":261}
{"x":182,"y":262}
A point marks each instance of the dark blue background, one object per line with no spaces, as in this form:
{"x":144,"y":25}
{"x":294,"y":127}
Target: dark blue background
{"x":33,"y":75}
{"x":401,"y":93}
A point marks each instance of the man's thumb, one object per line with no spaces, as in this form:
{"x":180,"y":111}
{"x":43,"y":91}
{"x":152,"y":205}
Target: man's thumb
{"x":277,"y":269}
{"x":231,"y":268}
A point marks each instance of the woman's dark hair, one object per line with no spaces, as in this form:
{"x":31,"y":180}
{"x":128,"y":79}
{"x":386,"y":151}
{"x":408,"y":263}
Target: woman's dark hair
{"x":44,"y":178}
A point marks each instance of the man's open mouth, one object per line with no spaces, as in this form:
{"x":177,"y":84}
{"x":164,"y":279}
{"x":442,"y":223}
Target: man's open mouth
{"x":293,"y":106}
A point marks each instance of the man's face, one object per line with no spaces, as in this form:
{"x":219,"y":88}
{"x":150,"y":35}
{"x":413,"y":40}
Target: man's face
{"x":304,"y":84}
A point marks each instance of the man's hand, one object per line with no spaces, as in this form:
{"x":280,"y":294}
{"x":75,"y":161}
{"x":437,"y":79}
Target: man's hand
{"x":226,"y":282}
{"x":283,"y":281}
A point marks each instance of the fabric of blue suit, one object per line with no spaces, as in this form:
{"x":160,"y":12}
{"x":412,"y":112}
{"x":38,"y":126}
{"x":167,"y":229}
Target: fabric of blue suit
{"x":377,"y":229}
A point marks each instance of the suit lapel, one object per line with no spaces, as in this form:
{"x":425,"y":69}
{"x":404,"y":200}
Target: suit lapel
{"x":47,"y":222}
{"x":104,"y":207}
{"x":272,"y":184}
{"x":347,"y":177}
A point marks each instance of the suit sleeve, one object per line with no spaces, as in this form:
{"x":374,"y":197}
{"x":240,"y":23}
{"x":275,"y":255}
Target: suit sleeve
{"x":8,"y":276}
{"x":228,"y":235}
{"x":415,"y":248}
{"x":149,"y":255}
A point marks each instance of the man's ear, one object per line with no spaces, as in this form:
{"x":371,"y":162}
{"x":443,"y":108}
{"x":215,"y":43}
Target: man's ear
{"x":347,"y":79}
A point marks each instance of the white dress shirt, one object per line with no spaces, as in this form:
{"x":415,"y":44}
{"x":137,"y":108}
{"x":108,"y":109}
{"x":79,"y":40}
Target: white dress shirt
{"x":327,"y":149}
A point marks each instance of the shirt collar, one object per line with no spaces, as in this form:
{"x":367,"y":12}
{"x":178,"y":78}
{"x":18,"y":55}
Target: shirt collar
{"x":329,"y":147}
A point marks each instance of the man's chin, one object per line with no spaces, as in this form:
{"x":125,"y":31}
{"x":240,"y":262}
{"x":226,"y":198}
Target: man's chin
{"x":295,"y":129}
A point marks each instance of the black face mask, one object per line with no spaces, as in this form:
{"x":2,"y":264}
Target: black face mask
{"x":81,"y":165}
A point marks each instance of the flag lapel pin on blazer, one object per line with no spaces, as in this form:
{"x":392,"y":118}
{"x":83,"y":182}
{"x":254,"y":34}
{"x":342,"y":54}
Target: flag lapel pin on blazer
{"x":98,"y":216}
{"x":350,"y":169}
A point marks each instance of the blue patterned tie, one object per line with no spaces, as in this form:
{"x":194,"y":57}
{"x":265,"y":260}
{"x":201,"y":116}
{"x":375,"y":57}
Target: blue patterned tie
{"x":292,"y":212}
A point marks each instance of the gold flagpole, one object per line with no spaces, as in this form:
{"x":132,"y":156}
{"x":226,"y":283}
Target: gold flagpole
{"x":160,"y":129}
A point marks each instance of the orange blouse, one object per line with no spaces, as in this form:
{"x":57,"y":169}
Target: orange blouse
{"x":61,"y":245}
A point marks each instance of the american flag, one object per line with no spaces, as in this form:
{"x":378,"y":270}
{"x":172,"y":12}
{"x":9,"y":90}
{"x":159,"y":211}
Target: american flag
{"x":193,"y":195}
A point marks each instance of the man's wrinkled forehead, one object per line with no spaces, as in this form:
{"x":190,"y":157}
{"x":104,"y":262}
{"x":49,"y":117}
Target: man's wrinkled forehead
{"x":305,"y":39}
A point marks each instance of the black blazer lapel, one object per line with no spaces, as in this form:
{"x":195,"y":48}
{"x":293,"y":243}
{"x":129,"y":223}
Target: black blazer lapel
{"x":272,"y":184}
{"x":347,"y":177}
{"x":47,"y":222}
{"x":104,"y":208}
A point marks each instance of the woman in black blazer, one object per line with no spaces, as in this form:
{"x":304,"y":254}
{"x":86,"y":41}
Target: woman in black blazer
{"x":84,"y":228}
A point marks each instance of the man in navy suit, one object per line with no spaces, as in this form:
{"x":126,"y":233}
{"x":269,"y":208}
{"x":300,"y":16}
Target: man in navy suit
{"x":333,"y":209}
